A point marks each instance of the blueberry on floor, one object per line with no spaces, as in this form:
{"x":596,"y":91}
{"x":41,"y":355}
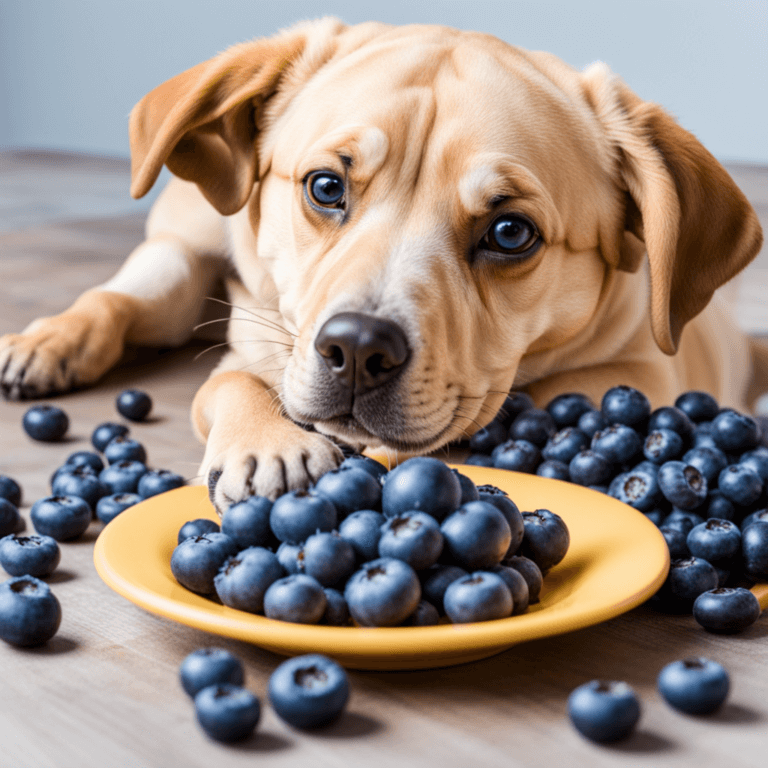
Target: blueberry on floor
{"x":696,"y":686}
{"x":716,"y":541}
{"x":30,"y":614}
{"x":309,"y":691}
{"x":81,"y":482}
{"x":109,"y":507}
{"x":754,"y":550}
{"x":157,"y":481}
{"x":106,"y":432}
{"x":33,"y":555}
{"x":134,"y":404}
{"x":123,"y":476}
{"x":9,"y":517}
{"x":227,"y":712}
{"x":210,"y":666}
{"x":61,"y":517}
{"x":123,"y":448}
{"x":45,"y":423}
{"x":726,"y":610}
{"x":10,"y":490}
{"x":604,"y":711}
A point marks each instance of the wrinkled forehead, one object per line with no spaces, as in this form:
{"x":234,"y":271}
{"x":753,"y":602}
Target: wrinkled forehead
{"x":466,"y":111}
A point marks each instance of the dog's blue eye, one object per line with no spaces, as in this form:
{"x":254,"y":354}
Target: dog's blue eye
{"x":512,"y":234}
{"x":325,"y":189}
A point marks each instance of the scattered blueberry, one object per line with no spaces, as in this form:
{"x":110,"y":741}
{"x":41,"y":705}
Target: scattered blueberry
{"x":696,"y":686}
{"x":716,"y":541}
{"x":85,"y":459}
{"x":687,"y":579}
{"x":565,"y":444}
{"x":662,"y":445}
{"x":709,"y":461}
{"x":227,"y":712}
{"x":30,"y":614}
{"x":133,"y":404}
{"x":109,"y":507}
{"x":81,"y":482}
{"x":9,"y":517}
{"x":105,"y":433}
{"x":674,"y":420}
{"x":754,"y":551}
{"x":29,"y":555}
{"x":61,"y":517}
{"x":10,"y":490}
{"x":619,"y":443}
{"x":726,"y":610}
{"x":210,"y":666}
{"x":556,"y":470}
{"x":123,"y":448}
{"x":604,"y":711}
{"x":123,"y":476}
{"x":45,"y":423}
{"x":590,"y":422}
{"x":309,"y":691}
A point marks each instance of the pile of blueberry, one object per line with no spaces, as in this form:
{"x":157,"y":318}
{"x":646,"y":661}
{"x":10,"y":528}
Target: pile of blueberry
{"x":377,"y":548}
{"x":699,"y":472}
{"x":305,"y":691}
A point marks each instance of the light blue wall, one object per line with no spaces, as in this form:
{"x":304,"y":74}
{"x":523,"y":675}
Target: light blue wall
{"x":70,"y":70}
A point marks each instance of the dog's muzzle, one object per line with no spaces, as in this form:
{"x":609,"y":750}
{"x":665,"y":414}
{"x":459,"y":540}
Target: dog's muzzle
{"x":361,"y":351}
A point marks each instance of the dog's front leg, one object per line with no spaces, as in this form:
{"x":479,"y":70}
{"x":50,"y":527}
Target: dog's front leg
{"x":251,"y":448}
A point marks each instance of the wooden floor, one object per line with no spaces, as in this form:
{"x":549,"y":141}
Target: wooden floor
{"x":104,"y":692}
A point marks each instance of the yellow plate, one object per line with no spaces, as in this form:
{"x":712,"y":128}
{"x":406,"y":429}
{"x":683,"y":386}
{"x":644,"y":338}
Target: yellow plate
{"x":616,"y":560}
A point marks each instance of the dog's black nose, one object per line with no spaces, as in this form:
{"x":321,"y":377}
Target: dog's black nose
{"x":362,"y":351}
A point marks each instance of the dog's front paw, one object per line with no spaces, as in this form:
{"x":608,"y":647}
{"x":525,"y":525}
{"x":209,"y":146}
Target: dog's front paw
{"x":288,"y":458}
{"x":54,"y":355}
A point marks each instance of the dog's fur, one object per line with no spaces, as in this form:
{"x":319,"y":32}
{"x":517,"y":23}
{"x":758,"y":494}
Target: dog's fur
{"x":436,"y":133}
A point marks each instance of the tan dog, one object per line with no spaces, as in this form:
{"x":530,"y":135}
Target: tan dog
{"x":415,"y":220}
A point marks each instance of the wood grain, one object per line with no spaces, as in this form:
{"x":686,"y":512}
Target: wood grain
{"x":104,"y":692}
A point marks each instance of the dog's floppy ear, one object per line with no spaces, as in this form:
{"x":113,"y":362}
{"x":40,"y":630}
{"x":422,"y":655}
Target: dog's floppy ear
{"x":202,"y":123}
{"x":698,"y":228}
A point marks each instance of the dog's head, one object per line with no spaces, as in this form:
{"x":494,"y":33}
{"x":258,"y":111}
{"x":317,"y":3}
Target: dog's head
{"x":434,"y":205}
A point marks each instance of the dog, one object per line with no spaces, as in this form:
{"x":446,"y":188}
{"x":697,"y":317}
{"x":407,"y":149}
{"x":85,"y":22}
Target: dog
{"x":411,"y":222}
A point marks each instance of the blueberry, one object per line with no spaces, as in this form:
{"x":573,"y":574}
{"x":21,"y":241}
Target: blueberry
{"x":698,"y":406}
{"x":709,"y":461}
{"x":556,"y":470}
{"x":476,"y":535}
{"x":674,"y":420}
{"x":754,"y":551}
{"x":478,"y":596}
{"x":479,"y":460}
{"x":85,"y":458}
{"x":656,"y":516}
{"x":425,"y":615}
{"x":106,"y":432}
{"x":61,"y":517}
{"x":726,"y":610}
{"x":210,"y":666}
{"x":530,"y":572}
{"x":565,"y":444}
{"x":682,"y":520}
{"x":245,"y":577}
{"x":735,"y":432}
{"x":682,"y":485}
{"x":604,"y":711}
{"x":157,"y":481}
{"x":362,"y":529}
{"x":29,"y":555}
{"x":625,"y":405}
{"x":590,"y":422}
{"x":740,"y":484}
{"x":718,"y":506}
{"x":247,"y":523}
{"x":329,"y":558}
{"x":423,"y":484}
{"x":546,"y":538}
{"x":373,"y":467}
{"x":309,"y":691}
{"x":197,"y":528}
{"x":124,"y":448}
{"x":80,"y":482}
{"x":588,"y":467}
{"x":297,"y":598}
{"x":696,"y":686}
{"x":133,"y":404}
{"x":677,"y":542}
{"x":469,"y":490}
{"x":760,"y":515}
{"x":516,"y":455}
{"x":291,"y":557}
{"x":30,"y":614}
{"x":534,"y":425}
{"x":123,"y":477}
{"x":486,"y":439}
{"x":336,"y":609}
{"x":9,"y":518}
{"x":298,"y":514}
{"x":10,"y":490}
{"x":513,"y":406}
{"x":619,"y":443}
{"x":413,"y":537}
{"x":662,"y":445}
{"x":350,"y":489}
{"x":567,"y":409}
{"x":383,"y":593}
{"x":109,"y":507}
{"x":435,"y":580}
{"x":639,"y":488}
{"x":517,"y":586}
{"x":45,"y":423}
{"x":716,"y":541}
{"x":702,"y":436}
{"x":756,"y":460}
{"x":227,"y":712}
{"x":687,"y":579}
{"x":196,"y":560}
{"x":500,"y":499}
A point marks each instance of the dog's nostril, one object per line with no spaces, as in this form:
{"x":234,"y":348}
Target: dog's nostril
{"x":335,"y":356}
{"x":375,"y":364}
